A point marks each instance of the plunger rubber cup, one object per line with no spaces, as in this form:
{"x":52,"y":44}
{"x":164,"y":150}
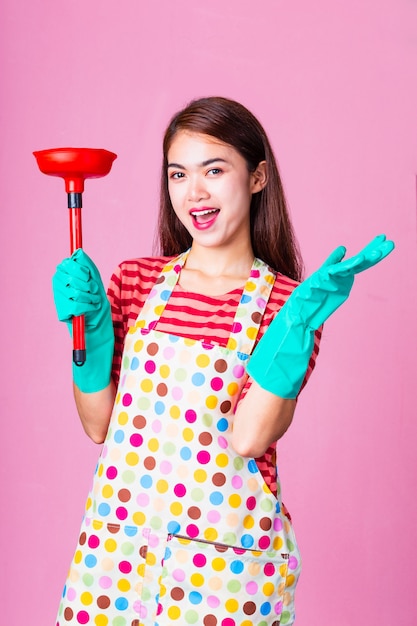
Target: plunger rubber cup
{"x":74,"y":165}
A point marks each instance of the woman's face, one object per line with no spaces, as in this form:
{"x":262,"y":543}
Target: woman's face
{"x":211,"y":188}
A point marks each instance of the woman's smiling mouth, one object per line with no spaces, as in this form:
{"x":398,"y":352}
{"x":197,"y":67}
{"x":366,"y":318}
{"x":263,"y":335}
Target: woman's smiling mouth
{"x":203,"y":218}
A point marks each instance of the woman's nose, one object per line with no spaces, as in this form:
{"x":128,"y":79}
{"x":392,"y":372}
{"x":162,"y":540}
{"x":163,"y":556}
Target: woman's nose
{"x":197,"y":190}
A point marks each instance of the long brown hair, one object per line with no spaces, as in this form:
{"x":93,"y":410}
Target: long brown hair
{"x":272,"y":234}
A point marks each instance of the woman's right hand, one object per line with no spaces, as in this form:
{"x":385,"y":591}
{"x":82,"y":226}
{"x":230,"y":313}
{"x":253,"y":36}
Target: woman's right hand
{"x":78,"y":290}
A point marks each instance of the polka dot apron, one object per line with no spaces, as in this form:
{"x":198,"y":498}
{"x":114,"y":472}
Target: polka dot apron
{"x":178,"y":528}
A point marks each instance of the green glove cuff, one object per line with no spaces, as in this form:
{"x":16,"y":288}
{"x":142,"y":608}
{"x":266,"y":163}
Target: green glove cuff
{"x":279,"y":365}
{"x":95,"y":374}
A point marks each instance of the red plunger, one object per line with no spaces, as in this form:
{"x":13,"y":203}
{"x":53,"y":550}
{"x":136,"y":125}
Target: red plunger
{"x":74,"y":165}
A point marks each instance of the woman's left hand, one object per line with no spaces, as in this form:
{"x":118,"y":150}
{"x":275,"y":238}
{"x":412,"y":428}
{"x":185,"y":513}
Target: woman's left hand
{"x":280,"y":360}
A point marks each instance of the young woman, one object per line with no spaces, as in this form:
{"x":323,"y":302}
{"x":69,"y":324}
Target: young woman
{"x":184,"y":523}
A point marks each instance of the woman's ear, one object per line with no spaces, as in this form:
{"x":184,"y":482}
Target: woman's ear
{"x":259,"y":177}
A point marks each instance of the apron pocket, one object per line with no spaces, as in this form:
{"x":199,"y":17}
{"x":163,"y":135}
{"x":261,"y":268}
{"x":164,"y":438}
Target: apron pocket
{"x":203,"y":583}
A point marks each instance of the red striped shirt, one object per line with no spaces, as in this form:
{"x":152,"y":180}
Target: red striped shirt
{"x":205,"y":318}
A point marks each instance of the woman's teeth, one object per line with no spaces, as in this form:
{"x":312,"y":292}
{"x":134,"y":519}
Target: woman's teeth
{"x":201,"y":216}
{"x":205,"y":212}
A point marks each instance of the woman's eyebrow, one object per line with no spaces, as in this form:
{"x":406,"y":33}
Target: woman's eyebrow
{"x":203,"y":164}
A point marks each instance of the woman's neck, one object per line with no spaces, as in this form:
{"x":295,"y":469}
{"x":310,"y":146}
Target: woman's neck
{"x":215,"y":272}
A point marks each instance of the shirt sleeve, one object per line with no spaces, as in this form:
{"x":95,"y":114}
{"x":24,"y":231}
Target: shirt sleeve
{"x":120,"y":323}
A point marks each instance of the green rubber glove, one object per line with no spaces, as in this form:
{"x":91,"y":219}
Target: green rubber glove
{"x":78,"y":290}
{"x":280,"y":360}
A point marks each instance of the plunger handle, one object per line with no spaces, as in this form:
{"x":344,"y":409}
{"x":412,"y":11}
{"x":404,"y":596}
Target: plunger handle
{"x":74,"y":165}
{"x":76,"y":241}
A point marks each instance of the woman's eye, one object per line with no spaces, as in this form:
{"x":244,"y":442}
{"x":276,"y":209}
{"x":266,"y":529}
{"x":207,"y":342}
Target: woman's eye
{"x":177,"y":175}
{"x":214,"y":171}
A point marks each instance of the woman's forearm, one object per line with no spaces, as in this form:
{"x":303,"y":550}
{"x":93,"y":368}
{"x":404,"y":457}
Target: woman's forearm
{"x":95,"y":410}
{"x":260,"y":420}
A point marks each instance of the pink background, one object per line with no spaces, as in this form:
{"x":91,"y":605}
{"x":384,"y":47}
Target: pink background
{"x":335,"y":85}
